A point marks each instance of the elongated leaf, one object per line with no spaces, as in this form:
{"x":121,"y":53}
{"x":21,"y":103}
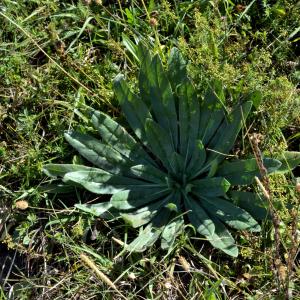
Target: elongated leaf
{"x":210,"y":187}
{"x":126,"y":200}
{"x":189,"y":116}
{"x":252,"y":203}
{"x":177,"y":164}
{"x":197,"y":161}
{"x":171,"y":231}
{"x":212,"y":114}
{"x":159,"y":142}
{"x":198,"y":217}
{"x":101,"y":182}
{"x":149,"y":173}
{"x":232,"y":215}
{"x":176,"y":68}
{"x":96,"y":152}
{"x":222,"y":239}
{"x":130,"y":46}
{"x":156,"y":91}
{"x":134,"y":109}
{"x":95,"y":209}
{"x":241,"y":172}
{"x":145,"y":214}
{"x":56,"y":188}
{"x":225,"y":136}
{"x":289,"y":160}
{"x":116,"y":136}
{"x":149,"y":235}
{"x":59,"y":170}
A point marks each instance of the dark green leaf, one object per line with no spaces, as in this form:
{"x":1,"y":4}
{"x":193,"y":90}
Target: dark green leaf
{"x":117,"y":137}
{"x":230,"y":214}
{"x":198,"y":217}
{"x":59,"y":170}
{"x":96,"y":152}
{"x":156,"y":92}
{"x":133,"y":107}
{"x":256,"y":206}
{"x":176,"y":68}
{"x":159,"y":142}
{"x":211,"y":116}
{"x":222,"y":239}
{"x":148,"y":173}
{"x":149,"y":235}
{"x":197,"y":161}
{"x":101,"y":182}
{"x":189,"y":115}
{"x":171,"y":231}
{"x":289,"y":160}
{"x":225,"y":136}
{"x":210,"y":187}
{"x":127,"y":199}
{"x":240,"y":172}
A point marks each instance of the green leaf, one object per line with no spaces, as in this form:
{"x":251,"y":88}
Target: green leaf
{"x":256,"y":206}
{"x":222,"y":239}
{"x":210,"y":187}
{"x":118,"y":138}
{"x":176,"y":68}
{"x":95,"y":209}
{"x":148,"y":173}
{"x":159,"y":142}
{"x":177,"y":164}
{"x":232,"y":215}
{"x":145,"y":214}
{"x":255,"y":97}
{"x":225,"y":136}
{"x":171,"y":231}
{"x":197,"y":161}
{"x":97,"y":153}
{"x":130,"y":46}
{"x":101,"y":182}
{"x":289,"y":160}
{"x":56,"y":188}
{"x":127,"y":199}
{"x":242,"y":172}
{"x":189,"y":115}
{"x":156,"y":92}
{"x":198,"y":217}
{"x":133,"y":107}
{"x":149,"y":235}
{"x":59,"y":170}
{"x":212,"y":114}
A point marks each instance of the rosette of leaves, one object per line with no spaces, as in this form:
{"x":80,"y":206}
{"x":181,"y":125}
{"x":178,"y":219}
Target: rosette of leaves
{"x":171,"y":167}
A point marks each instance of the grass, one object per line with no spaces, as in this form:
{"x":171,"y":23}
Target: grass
{"x":55,"y":58}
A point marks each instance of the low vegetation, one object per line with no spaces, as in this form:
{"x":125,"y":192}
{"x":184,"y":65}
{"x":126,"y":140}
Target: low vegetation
{"x":58,"y":63}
